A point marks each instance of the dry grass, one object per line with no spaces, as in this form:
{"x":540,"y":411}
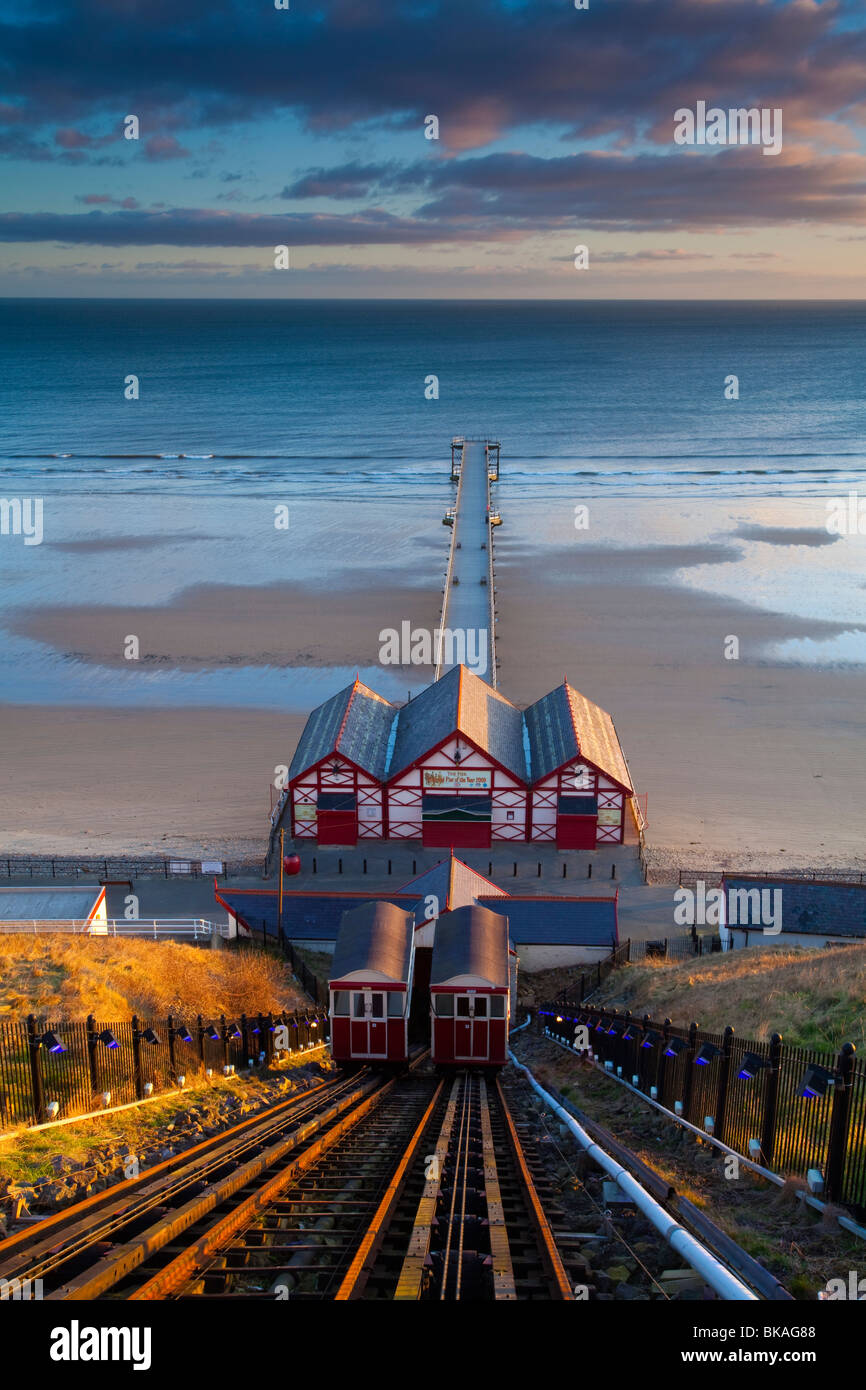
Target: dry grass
{"x":814,"y":998}
{"x":66,"y":978}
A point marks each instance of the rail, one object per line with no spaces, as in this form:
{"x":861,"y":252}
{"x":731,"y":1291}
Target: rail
{"x":800,"y":1109}
{"x":111,"y":867}
{"x":196,"y":927}
{"x":491,"y":589}
{"x":449,"y":569}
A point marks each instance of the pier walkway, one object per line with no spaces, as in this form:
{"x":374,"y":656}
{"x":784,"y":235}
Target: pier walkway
{"x":468,"y":601}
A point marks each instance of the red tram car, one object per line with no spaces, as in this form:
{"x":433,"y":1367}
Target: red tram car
{"x":470,"y":981}
{"x":371,"y":985}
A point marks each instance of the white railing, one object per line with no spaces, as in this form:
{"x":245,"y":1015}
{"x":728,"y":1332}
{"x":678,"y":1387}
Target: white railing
{"x":195,"y":927}
{"x":443,"y":621}
{"x":491,"y":595}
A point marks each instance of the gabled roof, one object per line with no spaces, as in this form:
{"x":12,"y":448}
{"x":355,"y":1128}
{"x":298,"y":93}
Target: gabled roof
{"x":454,"y":884}
{"x":460,"y":702}
{"x":471,"y":941}
{"x":375,"y":937}
{"x":356,"y":722}
{"x":565,"y":725}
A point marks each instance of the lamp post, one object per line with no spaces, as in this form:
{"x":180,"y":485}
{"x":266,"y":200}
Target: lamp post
{"x":280,"y":923}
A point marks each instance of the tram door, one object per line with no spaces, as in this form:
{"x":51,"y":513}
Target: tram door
{"x":369,"y":1023}
{"x":471,"y":1027}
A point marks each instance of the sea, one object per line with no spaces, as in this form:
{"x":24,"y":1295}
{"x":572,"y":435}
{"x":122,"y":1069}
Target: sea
{"x":161,"y":435}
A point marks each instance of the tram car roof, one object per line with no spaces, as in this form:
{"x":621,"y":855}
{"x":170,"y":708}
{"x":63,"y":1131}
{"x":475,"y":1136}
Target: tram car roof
{"x":374,"y":943}
{"x":471,"y":949}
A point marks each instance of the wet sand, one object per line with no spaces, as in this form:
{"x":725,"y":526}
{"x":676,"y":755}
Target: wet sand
{"x":748,"y":760}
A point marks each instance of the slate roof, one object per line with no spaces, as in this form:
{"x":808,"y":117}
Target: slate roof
{"x":47,"y":904}
{"x":460,"y":701}
{"x":820,"y":909}
{"x":306,"y":916}
{"x":471,"y":941}
{"x":376,"y":936}
{"x":543,"y":921}
{"x":564,"y":725}
{"x":357,"y":722}
{"x":558,"y":921}
{"x":385,"y":740}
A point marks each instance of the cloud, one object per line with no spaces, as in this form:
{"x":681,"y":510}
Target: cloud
{"x":343,"y":181}
{"x":506,"y":197}
{"x":105,"y":199}
{"x":164,"y":147}
{"x":483,"y":67}
{"x":194,"y":227}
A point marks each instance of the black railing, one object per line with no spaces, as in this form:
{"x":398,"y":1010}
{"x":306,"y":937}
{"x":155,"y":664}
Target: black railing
{"x":317,"y":989}
{"x":630,"y":952}
{"x":790,"y":1109}
{"x":41,"y":867}
{"x":713,"y":877}
{"x":57,"y":1070}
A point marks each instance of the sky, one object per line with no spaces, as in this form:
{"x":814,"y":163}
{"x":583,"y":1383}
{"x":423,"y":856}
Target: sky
{"x":309,"y":127}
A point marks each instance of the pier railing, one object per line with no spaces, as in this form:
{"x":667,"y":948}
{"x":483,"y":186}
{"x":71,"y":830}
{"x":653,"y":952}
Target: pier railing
{"x":449,"y":570}
{"x":492,"y":601}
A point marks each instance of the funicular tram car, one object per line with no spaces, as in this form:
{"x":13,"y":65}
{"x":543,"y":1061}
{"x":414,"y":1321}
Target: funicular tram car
{"x":371,"y":985}
{"x":470,"y":979}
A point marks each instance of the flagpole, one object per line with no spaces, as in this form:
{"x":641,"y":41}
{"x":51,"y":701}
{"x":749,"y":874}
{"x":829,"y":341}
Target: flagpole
{"x":282,"y":835}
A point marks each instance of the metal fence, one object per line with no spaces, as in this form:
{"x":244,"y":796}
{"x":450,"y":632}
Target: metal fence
{"x":713,"y":877}
{"x":41,"y":867}
{"x":630,"y":952}
{"x":789,"y":1108}
{"x":58,"y":1070}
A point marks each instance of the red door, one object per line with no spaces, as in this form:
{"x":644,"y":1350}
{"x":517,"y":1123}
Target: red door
{"x":444,"y":834}
{"x":471,"y":1036}
{"x":463,"y":1038}
{"x":576,"y":832}
{"x":337,"y":827}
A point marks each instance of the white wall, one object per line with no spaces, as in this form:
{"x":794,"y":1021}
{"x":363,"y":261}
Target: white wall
{"x":551,"y":957}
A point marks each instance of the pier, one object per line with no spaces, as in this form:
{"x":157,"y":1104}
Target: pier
{"x":468,"y":601}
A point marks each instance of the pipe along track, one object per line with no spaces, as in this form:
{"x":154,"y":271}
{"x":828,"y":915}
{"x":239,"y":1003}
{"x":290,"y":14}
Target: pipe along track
{"x":414,"y":1189}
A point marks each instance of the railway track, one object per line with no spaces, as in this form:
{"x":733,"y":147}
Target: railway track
{"x":61,"y":1247}
{"x":369,"y":1187}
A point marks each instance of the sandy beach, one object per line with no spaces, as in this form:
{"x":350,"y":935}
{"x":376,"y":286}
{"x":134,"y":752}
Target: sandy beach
{"x":749,"y":762}
{"x":219,"y":626}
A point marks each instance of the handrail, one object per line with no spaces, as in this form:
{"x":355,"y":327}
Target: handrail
{"x":153,"y":926}
{"x":450,"y":568}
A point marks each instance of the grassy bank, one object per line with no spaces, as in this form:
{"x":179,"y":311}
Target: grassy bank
{"x":65,"y":978}
{"x":814,"y":998}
